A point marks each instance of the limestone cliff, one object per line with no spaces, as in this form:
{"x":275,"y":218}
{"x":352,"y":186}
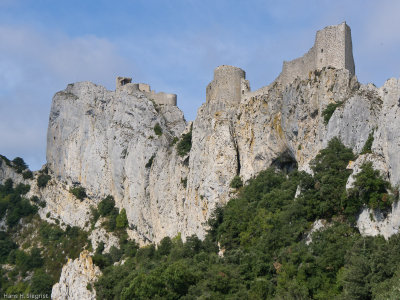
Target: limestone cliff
{"x":123,"y":143}
{"x":106,"y":140}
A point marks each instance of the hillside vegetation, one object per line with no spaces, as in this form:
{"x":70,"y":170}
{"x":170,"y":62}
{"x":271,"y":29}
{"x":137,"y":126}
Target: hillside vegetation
{"x":262,"y":234}
{"x":258,"y":246}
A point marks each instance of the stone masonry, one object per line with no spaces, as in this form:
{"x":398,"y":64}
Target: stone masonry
{"x":332,"y":48}
{"x":124,"y":84}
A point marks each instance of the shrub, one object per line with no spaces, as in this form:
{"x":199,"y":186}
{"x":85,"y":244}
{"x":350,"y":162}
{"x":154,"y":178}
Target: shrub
{"x":122,"y":220}
{"x":150,"y":162}
{"x":368,"y":144}
{"x":106,"y":206}
{"x":174,"y":141}
{"x":370,"y":189}
{"x":329,"y":110}
{"x":42,"y":180}
{"x":79,"y":192}
{"x":95,"y":215}
{"x":184,"y":182}
{"x":22,"y":189}
{"x":236,"y":182}
{"x":27,"y":174}
{"x":158,"y":129}
{"x":185,"y":144}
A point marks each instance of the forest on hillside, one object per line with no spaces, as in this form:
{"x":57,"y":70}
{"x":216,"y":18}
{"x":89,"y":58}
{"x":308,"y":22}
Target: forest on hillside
{"x":258,"y":246}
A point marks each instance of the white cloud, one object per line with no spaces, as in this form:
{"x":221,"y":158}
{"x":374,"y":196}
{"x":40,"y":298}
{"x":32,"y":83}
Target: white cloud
{"x":33,"y":66}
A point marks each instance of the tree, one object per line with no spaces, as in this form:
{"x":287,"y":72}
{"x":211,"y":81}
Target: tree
{"x":42,"y":180}
{"x":42,"y":283}
{"x":122,"y":220}
{"x":19,"y":164}
{"x":79,"y":192}
{"x":106,"y":206}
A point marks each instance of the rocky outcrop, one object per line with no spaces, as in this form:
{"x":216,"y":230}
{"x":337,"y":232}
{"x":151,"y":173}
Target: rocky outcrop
{"x":107,"y":141}
{"x":77,"y":279}
{"x":7,"y":171}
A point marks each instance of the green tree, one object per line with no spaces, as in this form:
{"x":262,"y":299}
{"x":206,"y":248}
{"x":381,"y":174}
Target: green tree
{"x":122,"y":220}
{"x":19,"y":164}
{"x":79,"y":192}
{"x":42,"y":180}
{"x":106,"y":206}
{"x":236,"y":182}
{"x":41,"y":283}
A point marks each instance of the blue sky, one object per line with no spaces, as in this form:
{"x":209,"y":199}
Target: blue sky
{"x":172,"y":45}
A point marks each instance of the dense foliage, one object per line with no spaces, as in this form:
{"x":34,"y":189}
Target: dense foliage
{"x":33,"y":250}
{"x":236,"y":182}
{"x":79,"y":192}
{"x":13,"y":205}
{"x":258,"y":246}
{"x":42,"y":180}
{"x":263,"y":233}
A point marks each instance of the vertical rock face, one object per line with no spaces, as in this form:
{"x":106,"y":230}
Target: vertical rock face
{"x":77,"y":279}
{"x":107,"y":142}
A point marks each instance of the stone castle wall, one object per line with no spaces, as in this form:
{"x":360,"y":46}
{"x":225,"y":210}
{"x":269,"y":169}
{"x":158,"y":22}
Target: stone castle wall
{"x":161,"y":98}
{"x":332,"y":48}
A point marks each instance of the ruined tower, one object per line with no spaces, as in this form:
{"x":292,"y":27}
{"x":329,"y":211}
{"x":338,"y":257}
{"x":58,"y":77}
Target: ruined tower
{"x":332,"y":48}
{"x":228,"y":85}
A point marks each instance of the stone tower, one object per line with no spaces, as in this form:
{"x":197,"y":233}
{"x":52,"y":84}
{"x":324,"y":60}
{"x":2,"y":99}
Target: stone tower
{"x":227,"y":87}
{"x":332,"y":48}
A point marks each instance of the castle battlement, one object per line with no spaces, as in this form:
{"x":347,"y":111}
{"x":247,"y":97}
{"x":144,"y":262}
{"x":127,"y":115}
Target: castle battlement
{"x":332,"y":48}
{"x":161,"y":98}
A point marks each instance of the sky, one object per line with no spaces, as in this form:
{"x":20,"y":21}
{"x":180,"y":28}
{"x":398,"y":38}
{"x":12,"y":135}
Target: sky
{"x":172,"y":45}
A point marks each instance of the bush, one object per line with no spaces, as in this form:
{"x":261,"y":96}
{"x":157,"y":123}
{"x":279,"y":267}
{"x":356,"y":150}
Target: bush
{"x":185,"y":144}
{"x":27,"y":174}
{"x":19,"y":164}
{"x":236,"y":182}
{"x":174,"y":141}
{"x":106,"y":206}
{"x":22,"y":189}
{"x":42,"y":180}
{"x":184,"y":182}
{"x":329,"y":110}
{"x":369,"y":189}
{"x":79,"y":192}
{"x":368,"y":144}
{"x":158,"y":129}
{"x":122,"y":220}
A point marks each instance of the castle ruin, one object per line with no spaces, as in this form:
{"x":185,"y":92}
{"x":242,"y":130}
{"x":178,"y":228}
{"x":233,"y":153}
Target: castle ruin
{"x":228,"y":85}
{"x":332,"y":48}
{"x":161,"y":98}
